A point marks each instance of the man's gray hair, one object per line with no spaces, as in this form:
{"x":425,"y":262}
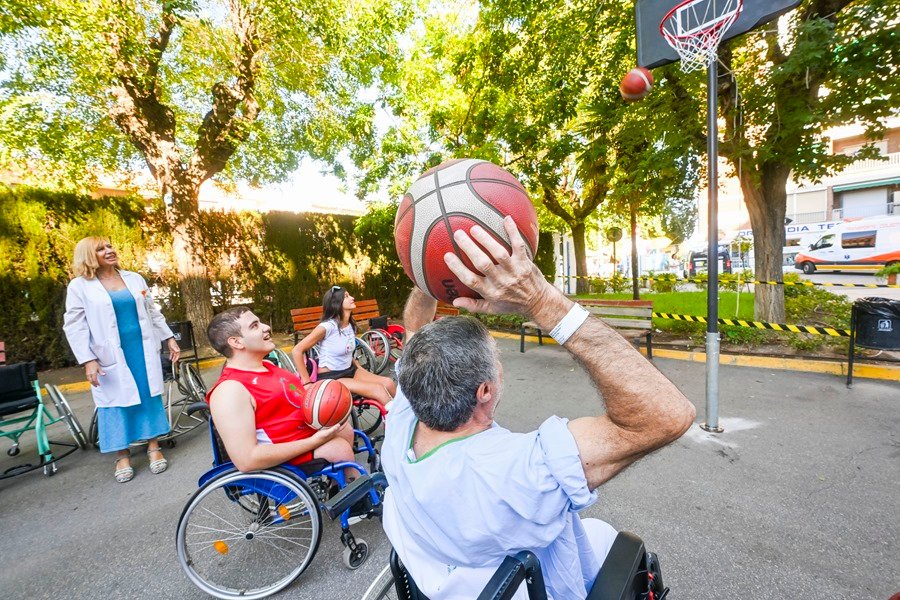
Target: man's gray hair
{"x":442,"y":367}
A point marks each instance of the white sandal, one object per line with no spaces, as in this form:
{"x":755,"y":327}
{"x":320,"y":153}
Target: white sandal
{"x":125,"y":474}
{"x":159,"y":465}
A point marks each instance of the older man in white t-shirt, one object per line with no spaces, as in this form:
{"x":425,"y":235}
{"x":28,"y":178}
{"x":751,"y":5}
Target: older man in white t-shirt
{"x":464,"y":492}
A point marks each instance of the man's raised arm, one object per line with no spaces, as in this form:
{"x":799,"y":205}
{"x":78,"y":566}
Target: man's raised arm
{"x":419,"y":311}
{"x":644,"y":410}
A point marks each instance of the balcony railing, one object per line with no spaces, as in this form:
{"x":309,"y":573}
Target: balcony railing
{"x":893,"y":160}
{"x":865,"y":211}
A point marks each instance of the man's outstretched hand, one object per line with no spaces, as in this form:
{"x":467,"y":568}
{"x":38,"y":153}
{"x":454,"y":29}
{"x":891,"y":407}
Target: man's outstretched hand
{"x":511,"y":283}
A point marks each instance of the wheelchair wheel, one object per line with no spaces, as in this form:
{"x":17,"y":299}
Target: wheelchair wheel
{"x":365,"y":356}
{"x":94,"y":432}
{"x":365,"y":416}
{"x":354,"y":559}
{"x":67,"y":416}
{"x":383,"y":586}
{"x":380,"y":346}
{"x":248,"y":550}
{"x":190,"y":382}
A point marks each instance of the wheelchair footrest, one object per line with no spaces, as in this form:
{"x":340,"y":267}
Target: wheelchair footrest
{"x":353,"y":493}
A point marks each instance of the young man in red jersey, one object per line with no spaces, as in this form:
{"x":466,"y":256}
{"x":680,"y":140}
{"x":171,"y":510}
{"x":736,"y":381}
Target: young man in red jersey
{"x":256,"y":405}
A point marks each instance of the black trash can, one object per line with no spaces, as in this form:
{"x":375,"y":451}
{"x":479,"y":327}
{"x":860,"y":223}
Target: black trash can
{"x":184,"y":335}
{"x":874,"y":323}
{"x":877,"y":323}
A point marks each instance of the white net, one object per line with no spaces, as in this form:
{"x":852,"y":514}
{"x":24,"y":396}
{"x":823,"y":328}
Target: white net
{"x":695,"y":28}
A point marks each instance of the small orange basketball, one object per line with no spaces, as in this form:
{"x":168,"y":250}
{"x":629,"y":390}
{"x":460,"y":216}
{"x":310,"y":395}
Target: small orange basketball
{"x":636,"y":84}
{"x":326,"y":404}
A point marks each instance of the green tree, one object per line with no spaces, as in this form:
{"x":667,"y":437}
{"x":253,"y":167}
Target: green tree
{"x":193,"y":90}
{"x":835,"y":63}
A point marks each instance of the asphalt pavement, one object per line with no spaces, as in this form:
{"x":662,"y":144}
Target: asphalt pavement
{"x":797,"y":498}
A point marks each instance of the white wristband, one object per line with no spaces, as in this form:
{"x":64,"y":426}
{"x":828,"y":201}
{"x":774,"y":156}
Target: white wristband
{"x":569,"y":324}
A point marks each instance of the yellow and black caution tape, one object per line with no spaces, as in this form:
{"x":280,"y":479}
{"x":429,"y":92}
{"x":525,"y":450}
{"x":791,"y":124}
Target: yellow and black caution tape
{"x":731,"y":279}
{"x":759,"y":325}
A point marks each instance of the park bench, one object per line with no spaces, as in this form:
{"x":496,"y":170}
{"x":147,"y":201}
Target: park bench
{"x":306,"y":319}
{"x":621,"y":314}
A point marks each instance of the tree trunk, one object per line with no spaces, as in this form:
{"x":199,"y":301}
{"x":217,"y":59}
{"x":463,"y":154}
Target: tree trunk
{"x":189,"y":252}
{"x":578,"y":240}
{"x":767,"y":202}
{"x":635,"y":292}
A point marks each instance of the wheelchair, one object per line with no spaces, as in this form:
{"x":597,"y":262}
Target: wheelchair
{"x":183,"y":386}
{"x":250,"y":535}
{"x":22,"y":409}
{"x":385,"y":341}
{"x":629,"y":571}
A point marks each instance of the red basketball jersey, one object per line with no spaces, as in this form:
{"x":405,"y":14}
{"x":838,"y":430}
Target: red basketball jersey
{"x":278,"y":395}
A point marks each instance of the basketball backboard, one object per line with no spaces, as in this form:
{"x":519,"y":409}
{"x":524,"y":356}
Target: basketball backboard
{"x":653,"y":51}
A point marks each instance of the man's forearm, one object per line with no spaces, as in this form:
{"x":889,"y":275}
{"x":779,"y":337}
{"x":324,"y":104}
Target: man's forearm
{"x":419,"y":311}
{"x":637,"y":396}
{"x":264,"y":456}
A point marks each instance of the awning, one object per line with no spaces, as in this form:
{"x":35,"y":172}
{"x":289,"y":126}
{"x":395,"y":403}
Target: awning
{"x":866,"y":184}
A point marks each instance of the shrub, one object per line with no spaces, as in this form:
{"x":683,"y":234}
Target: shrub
{"x":664,"y":283}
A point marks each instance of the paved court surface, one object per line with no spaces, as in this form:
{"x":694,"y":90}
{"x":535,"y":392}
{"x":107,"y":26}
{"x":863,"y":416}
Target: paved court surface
{"x":798,"y":498}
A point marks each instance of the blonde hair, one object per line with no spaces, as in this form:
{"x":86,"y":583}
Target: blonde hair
{"x":84,"y":262}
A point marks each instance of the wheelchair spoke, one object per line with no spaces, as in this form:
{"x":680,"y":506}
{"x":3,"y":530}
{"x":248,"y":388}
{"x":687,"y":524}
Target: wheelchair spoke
{"x":249,"y":535}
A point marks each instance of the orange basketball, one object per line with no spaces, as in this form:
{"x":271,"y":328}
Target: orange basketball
{"x":636,"y":84}
{"x":326,"y":404}
{"x":457,"y":194}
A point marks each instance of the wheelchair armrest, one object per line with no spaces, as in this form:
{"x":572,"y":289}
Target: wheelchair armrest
{"x":506,"y":580}
{"x":353,"y":493}
{"x":197,"y":406}
{"x":617,"y":578}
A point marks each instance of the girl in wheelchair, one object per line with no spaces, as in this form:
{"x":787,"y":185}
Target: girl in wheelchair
{"x":335,"y":338}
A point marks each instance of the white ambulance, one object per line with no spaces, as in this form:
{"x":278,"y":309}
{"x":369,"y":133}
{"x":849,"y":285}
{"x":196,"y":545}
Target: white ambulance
{"x":865,"y":245}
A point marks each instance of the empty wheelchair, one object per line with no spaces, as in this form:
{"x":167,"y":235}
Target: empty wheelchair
{"x":629,"y":572}
{"x":22,"y":409}
{"x":183,"y":386}
{"x":249,"y":535}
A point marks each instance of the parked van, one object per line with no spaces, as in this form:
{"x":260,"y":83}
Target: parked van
{"x":697,"y":262}
{"x":865,"y":245}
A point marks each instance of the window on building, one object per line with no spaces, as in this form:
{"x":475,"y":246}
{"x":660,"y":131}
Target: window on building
{"x":792,"y":243}
{"x":858,"y":239}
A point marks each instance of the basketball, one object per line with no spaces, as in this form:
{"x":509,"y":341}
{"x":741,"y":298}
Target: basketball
{"x":457,"y":194}
{"x":636,"y":84}
{"x":327,"y":403}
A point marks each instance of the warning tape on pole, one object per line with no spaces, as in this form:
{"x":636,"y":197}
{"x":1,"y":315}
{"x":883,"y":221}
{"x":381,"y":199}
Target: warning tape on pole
{"x":759,"y":325}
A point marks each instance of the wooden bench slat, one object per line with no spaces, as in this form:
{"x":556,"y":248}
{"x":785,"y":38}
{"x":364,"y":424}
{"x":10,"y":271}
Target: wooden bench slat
{"x":627,"y":323}
{"x":620,"y":311}
{"x":596,"y":302}
{"x":303,"y":312}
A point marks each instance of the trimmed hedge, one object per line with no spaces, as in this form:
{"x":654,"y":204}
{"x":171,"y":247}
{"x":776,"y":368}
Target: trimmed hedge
{"x":274,"y":262}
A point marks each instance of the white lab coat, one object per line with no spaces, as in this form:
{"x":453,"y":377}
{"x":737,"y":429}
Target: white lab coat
{"x":91,"y":329}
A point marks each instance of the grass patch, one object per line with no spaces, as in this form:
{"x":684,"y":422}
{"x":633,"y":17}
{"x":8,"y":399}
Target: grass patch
{"x":690,"y":303}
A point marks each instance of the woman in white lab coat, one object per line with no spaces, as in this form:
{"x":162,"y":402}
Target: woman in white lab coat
{"x":115,"y":329}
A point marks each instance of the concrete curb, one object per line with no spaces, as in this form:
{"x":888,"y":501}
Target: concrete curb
{"x":806,"y":365}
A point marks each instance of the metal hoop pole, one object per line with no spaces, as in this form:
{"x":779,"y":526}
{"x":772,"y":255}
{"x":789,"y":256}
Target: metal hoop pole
{"x":712,"y":253}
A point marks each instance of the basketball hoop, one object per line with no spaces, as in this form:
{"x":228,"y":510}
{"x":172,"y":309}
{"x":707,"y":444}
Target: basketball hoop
{"x":694,"y":29}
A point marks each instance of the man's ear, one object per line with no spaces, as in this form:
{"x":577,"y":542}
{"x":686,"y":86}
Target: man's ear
{"x":485,"y":392}
{"x":236,"y":343}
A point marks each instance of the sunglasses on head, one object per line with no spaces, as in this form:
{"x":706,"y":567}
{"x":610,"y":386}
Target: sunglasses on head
{"x":335,"y":288}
